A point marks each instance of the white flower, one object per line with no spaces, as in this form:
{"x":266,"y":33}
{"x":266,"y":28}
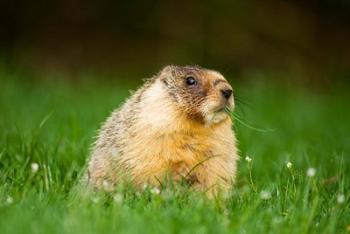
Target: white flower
{"x":226,"y":212}
{"x":277,"y":219}
{"x":248,"y":159}
{"x":95,"y":199}
{"x":340,"y":198}
{"x":155,"y":190}
{"x":145,"y":186}
{"x":108,"y":187}
{"x":265,"y":195}
{"x":34,"y":167}
{"x":311,"y":172}
{"x":289,"y":165}
{"x":118,"y":198}
{"x":9,"y":200}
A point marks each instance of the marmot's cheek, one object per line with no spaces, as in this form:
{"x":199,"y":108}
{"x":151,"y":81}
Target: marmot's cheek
{"x":208,"y":110}
{"x":213,"y":109}
{"x":214,"y":104}
{"x":205,"y":108}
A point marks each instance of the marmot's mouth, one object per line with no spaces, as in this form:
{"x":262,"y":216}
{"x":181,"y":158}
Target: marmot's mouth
{"x":223,"y":109}
{"x":220,"y":110}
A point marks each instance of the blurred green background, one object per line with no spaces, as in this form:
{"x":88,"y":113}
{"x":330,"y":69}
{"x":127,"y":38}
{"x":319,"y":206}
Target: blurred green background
{"x":306,"y":42}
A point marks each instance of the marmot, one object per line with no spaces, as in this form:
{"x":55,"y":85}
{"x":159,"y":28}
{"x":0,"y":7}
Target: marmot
{"x":178,"y":123}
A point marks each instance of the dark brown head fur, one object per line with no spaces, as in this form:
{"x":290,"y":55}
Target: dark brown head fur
{"x":194,"y":98}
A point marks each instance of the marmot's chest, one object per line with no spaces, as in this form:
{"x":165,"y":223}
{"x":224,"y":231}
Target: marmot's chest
{"x":184,"y":146}
{"x":182,"y":154}
{"x":173,"y":150}
{"x":171,"y":147}
{"x":173,"y":153}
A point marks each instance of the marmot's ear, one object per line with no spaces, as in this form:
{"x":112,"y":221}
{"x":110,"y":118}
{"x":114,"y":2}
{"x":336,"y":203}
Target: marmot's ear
{"x":169,"y":70}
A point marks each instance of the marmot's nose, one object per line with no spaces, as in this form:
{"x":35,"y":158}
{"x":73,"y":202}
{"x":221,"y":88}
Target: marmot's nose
{"x":226,"y":93}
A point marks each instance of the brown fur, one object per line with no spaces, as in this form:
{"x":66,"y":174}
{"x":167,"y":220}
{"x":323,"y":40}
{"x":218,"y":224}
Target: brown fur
{"x":168,"y":128}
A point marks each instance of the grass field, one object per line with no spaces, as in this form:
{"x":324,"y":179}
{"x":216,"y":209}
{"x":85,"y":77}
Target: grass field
{"x":47,"y":128}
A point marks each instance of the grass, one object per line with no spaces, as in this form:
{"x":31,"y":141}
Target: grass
{"x":52,"y":124}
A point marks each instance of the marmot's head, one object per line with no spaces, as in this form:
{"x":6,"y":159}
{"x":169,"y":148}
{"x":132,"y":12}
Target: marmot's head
{"x":203,"y":94}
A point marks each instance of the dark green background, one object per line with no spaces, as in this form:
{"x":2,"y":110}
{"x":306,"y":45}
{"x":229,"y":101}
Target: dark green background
{"x":306,"y":41}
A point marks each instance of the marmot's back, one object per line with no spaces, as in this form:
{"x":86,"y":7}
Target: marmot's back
{"x":178,"y":124}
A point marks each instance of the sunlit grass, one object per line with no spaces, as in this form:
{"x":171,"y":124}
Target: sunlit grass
{"x":292,"y":179}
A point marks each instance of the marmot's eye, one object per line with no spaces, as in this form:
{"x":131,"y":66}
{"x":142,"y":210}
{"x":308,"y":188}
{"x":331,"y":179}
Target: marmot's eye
{"x":190,"y":80}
